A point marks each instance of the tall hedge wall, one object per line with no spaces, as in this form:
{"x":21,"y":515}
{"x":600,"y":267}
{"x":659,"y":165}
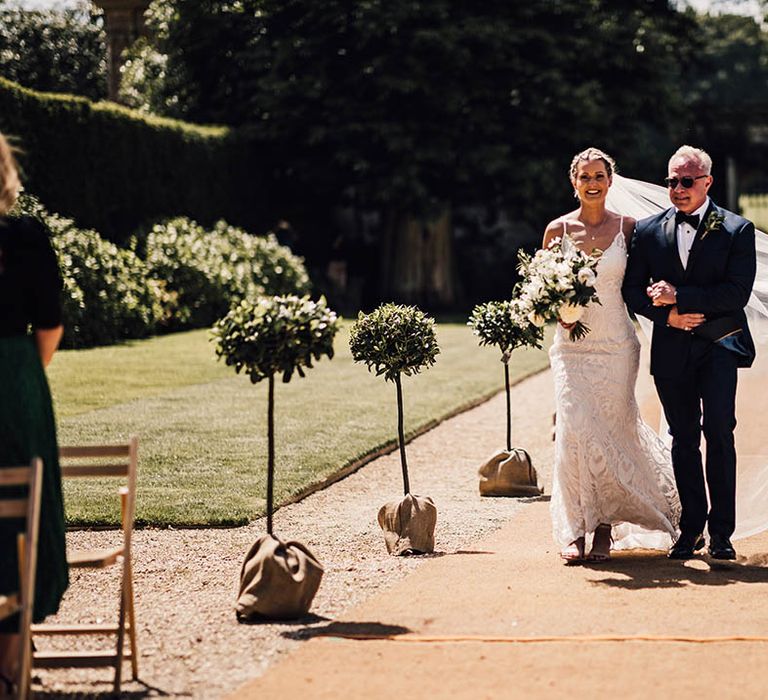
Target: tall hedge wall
{"x":113,"y":169}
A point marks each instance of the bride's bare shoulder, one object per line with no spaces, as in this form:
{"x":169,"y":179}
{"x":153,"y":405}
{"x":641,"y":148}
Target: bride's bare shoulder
{"x":555,"y":230}
{"x":628,"y":228}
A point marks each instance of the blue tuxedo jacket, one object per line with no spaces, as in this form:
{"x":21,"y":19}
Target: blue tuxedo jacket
{"x":716,"y":282}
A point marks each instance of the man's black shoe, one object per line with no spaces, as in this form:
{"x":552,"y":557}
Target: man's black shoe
{"x":720,"y":547}
{"x":685,"y":546}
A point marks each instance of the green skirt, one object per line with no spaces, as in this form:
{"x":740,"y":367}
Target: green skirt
{"x":27,"y":430}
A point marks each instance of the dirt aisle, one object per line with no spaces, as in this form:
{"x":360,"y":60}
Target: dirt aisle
{"x":455,"y":623}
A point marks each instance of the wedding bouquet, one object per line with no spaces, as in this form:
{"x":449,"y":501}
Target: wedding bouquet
{"x":557,"y":284}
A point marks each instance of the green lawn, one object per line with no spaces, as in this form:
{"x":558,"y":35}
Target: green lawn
{"x":202,"y":427}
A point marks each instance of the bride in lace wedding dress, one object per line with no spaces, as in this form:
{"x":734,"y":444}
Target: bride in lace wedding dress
{"x":612,"y":474}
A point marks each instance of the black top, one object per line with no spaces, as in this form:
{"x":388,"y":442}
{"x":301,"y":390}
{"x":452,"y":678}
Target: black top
{"x":30,"y":284}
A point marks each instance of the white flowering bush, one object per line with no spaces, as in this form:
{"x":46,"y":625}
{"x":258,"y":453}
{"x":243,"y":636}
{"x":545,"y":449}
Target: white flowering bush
{"x":557,"y":284}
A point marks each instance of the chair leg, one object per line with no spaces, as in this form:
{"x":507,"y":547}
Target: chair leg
{"x":132,"y":623}
{"x":120,"y":641}
{"x":25,"y":668}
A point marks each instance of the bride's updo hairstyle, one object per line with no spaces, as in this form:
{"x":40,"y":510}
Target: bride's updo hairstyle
{"x":589,"y":154}
{"x":9,"y":177}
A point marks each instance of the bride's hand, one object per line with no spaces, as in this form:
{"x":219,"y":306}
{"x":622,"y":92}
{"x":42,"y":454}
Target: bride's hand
{"x":565,"y":325}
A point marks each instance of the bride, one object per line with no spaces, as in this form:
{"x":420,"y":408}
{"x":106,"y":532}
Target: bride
{"x":611,"y":469}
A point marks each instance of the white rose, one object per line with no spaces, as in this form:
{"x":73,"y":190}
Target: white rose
{"x":586,"y":276}
{"x":536,"y":320}
{"x":570,"y":313}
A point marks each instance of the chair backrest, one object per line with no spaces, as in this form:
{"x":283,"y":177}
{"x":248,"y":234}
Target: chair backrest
{"x":27,"y":507}
{"x":113,"y":460}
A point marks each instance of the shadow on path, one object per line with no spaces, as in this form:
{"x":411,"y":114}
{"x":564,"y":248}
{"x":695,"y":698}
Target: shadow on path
{"x":349,"y":630}
{"x":636,"y":571}
{"x":145,"y":692}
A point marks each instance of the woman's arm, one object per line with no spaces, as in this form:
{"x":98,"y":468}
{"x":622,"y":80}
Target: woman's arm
{"x":47,"y":342}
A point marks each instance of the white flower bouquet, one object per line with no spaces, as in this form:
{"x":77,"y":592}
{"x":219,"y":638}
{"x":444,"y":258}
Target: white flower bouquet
{"x":557,"y":284}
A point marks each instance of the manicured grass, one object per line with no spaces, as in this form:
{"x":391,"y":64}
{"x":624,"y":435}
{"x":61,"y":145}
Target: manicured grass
{"x":755,"y":208}
{"x":202,"y":428}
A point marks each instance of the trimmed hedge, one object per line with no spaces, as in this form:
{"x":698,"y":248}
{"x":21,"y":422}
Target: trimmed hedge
{"x":113,"y":169}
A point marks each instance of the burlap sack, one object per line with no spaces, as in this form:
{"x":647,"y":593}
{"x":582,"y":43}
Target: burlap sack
{"x":409,"y":525}
{"x":509,"y":474}
{"x":278,"y":580}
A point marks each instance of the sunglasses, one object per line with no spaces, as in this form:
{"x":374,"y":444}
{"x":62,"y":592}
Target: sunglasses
{"x":687,"y":181}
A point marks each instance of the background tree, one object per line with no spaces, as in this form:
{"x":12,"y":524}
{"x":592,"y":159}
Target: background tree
{"x":410,"y":109}
{"x":55,"y":50}
{"x":727,"y":102}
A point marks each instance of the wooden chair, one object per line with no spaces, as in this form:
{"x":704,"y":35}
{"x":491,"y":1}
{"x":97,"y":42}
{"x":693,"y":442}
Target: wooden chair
{"x":21,"y":603}
{"x":101,"y":461}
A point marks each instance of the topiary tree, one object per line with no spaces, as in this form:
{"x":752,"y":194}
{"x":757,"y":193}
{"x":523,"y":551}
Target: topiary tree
{"x":394,"y":340}
{"x":277,"y":335}
{"x":505,"y":325}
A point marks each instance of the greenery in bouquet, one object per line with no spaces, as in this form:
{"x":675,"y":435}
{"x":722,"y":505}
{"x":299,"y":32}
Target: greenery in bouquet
{"x":557,"y":284}
{"x":280,"y":334}
{"x":394,"y":340}
{"x":506,"y":325}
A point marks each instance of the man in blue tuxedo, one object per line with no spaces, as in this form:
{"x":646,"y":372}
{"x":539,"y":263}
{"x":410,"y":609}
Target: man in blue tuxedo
{"x":690,"y":271}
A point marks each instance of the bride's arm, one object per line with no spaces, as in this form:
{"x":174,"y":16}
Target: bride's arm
{"x":636,"y":280}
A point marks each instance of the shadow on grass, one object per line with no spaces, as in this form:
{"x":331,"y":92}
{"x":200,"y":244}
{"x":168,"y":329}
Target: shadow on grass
{"x":349,"y":630}
{"x":653,"y":570}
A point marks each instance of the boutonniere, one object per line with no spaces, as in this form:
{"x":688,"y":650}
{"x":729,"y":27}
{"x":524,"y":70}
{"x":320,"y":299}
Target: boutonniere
{"x":713,"y":223}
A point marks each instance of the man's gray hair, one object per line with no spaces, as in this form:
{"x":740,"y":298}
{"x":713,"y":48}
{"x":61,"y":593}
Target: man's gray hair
{"x":698,"y":155}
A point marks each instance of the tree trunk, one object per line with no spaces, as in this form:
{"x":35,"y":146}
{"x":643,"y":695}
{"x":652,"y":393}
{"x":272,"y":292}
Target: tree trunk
{"x":417,"y":262}
{"x":509,"y":408}
{"x":401,"y":436}
{"x":270,"y":451}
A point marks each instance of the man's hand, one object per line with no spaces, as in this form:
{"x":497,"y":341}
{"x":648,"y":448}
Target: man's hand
{"x":684,"y":322}
{"x":662,"y":293}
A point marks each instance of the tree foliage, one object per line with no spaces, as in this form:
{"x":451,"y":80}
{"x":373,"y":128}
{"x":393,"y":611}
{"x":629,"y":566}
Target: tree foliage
{"x":56,"y":49}
{"x":394,"y":340}
{"x":414,"y":104}
{"x":501,"y":324}
{"x":281,"y":334}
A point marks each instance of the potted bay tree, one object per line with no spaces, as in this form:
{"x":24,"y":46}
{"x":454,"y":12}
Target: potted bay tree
{"x":279,"y":335}
{"x":395,"y":341}
{"x":503,"y":324}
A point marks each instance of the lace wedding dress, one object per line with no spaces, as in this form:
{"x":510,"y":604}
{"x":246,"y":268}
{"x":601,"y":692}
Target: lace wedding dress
{"x":610,"y":467}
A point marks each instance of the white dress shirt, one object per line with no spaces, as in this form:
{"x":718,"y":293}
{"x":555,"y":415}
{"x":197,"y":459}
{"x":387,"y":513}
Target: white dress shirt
{"x":686,"y":233}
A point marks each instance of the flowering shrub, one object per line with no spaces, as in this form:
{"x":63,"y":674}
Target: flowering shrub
{"x":557,"y":283}
{"x":207,"y":271}
{"x":105,"y":293}
{"x":191,"y":276}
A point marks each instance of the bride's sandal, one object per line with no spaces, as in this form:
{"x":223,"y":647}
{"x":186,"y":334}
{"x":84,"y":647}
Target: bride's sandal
{"x":574,"y":552}
{"x":601,"y":544}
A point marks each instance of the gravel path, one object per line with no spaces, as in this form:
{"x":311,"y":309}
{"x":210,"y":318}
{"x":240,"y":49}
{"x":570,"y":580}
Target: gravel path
{"x":190,"y":644}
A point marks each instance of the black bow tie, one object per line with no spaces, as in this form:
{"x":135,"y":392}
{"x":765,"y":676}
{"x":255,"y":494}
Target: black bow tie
{"x":691,"y":219}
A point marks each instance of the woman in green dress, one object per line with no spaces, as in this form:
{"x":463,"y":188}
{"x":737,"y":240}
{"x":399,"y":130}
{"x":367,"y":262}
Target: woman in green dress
{"x":30,"y":331}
